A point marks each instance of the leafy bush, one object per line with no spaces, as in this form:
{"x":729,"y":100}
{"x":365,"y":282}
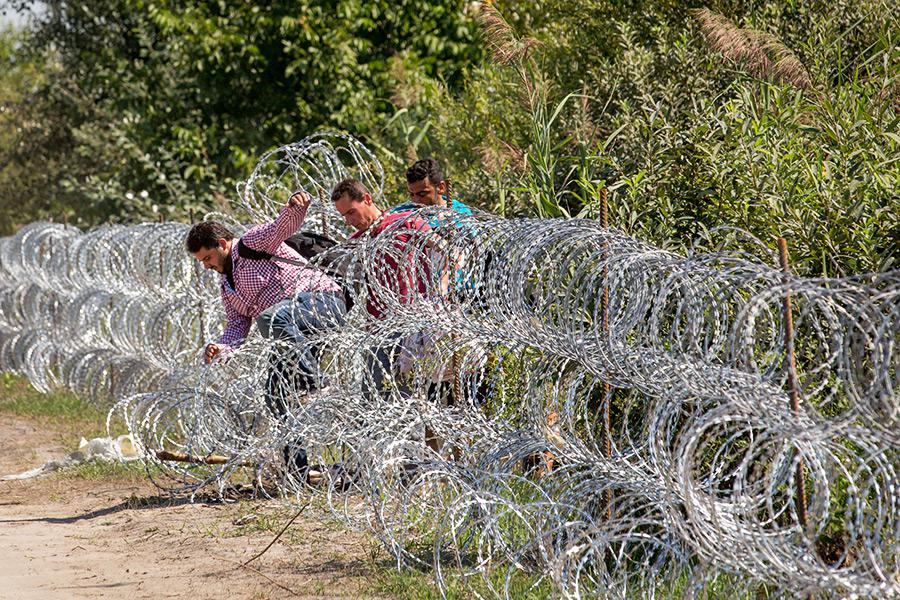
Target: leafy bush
{"x":781,"y":118}
{"x":692,"y":120}
{"x":151,"y":107}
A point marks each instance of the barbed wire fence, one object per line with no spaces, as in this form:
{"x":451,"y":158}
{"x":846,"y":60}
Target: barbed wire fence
{"x":753,"y":416}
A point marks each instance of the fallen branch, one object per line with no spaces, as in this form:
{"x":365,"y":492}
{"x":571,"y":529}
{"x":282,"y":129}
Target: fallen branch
{"x":209,"y":459}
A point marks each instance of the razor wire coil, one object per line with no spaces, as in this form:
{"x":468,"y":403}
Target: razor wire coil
{"x":698,"y":492}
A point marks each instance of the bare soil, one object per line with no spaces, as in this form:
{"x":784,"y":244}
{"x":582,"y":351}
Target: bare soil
{"x":70,"y":537}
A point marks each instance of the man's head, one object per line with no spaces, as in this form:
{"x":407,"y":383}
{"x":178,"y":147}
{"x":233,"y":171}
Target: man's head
{"x":355,"y":204}
{"x":425,"y":182}
{"x":210,"y":243}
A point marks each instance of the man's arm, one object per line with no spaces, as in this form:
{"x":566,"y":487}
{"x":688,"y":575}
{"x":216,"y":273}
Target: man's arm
{"x":267,"y":238}
{"x":234,"y":335}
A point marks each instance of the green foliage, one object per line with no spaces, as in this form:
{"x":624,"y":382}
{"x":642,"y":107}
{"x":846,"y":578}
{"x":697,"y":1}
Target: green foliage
{"x":18,"y":78}
{"x":151,"y":106}
{"x":72,"y":415}
{"x":21,"y":399}
{"x":686,"y":139}
{"x":410,"y":583}
{"x":163,"y":106}
{"x":101,"y":470}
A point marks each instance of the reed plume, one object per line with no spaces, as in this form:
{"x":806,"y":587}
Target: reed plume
{"x":506,"y":47}
{"x":405,"y":92}
{"x":761,"y":53}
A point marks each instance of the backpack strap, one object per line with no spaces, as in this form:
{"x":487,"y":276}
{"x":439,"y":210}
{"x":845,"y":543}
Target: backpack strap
{"x":245,"y":251}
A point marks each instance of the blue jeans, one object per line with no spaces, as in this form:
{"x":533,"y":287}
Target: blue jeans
{"x":294,"y":366}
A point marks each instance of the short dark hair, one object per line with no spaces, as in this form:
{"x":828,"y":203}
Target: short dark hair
{"x":427,"y":167}
{"x":351,"y":187}
{"x":206,"y":234}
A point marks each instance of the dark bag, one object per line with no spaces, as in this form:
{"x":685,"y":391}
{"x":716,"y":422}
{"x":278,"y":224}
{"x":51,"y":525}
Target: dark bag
{"x":308,"y":245}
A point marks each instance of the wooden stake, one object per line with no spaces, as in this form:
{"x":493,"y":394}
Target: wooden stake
{"x":449,"y":193}
{"x":457,"y":380}
{"x":202,"y":317}
{"x":605,"y":436}
{"x":65,"y":246}
{"x":455,"y":358}
{"x":793,"y":383}
{"x":210,"y":459}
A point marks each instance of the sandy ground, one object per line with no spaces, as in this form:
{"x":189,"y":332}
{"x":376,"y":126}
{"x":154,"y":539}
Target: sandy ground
{"x":63,"y":537}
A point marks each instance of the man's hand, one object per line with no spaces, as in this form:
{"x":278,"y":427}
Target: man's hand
{"x":212,"y":350}
{"x":299,"y":199}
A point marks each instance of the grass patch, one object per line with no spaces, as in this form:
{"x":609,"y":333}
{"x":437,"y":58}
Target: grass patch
{"x":60,"y":408}
{"x":411,"y":583}
{"x":259,"y":516}
{"x":99,"y":470}
{"x":68,"y":418}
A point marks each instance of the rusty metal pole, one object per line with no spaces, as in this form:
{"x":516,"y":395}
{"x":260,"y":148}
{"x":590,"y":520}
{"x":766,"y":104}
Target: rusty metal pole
{"x":793,"y":383}
{"x":451,"y":279}
{"x":605,"y":435}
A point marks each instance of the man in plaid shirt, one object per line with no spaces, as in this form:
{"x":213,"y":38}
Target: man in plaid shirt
{"x":250,"y":288}
{"x":288,"y":301}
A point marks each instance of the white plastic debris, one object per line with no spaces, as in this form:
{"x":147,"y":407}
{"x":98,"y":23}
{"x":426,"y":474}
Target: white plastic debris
{"x":120,"y":449}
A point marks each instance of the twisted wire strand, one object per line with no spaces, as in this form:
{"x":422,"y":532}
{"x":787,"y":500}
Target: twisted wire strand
{"x":698,"y":493}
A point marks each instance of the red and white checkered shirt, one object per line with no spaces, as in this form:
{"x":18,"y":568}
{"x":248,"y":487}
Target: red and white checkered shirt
{"x":258,"y":284}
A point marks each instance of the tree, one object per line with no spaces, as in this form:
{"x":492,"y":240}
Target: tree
{"x":164,"y":105}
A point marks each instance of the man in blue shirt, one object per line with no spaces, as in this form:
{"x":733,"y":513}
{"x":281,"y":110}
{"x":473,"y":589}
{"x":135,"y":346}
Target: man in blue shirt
{"x":427,"y":187}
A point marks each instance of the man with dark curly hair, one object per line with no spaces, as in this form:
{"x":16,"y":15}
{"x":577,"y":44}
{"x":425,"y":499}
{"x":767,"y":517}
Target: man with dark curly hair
{"x":428,"y":187}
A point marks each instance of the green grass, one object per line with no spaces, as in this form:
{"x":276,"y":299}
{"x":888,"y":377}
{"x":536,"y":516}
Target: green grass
{"x":98,"y":470}
{"x":62,"y":409}
{"x":69,"y":418}
{"x":257,"y":517}
{"x":386,"y":580}
{"x":410,"y":583}
{"x":20,"y":398}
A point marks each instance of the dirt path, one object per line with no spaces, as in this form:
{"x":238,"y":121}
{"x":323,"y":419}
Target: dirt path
{"x":64,"y":537}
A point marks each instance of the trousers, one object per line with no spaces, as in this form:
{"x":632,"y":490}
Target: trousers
{"x":293,"y":368}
